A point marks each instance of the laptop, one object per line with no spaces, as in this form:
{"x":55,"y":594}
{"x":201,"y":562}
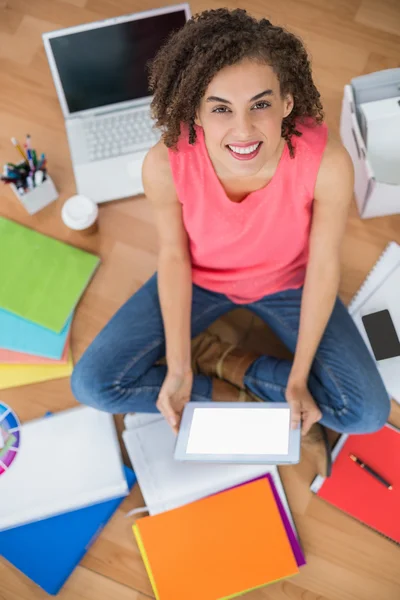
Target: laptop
{"x":100,"y":72}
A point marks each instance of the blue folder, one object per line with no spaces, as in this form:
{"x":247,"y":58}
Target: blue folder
{"x":20,"y":335}
{"x":49,"y":550}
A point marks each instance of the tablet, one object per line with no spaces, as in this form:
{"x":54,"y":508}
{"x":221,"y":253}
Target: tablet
{"x":238,"y":432}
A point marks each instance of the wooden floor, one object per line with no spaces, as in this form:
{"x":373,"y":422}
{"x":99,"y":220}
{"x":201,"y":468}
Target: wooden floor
{"x":346,"y":561}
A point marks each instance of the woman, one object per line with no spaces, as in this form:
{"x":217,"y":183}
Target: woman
{"x":251,"y":198}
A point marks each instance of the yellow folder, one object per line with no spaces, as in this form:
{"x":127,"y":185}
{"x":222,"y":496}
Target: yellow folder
{"x":15,"y":375}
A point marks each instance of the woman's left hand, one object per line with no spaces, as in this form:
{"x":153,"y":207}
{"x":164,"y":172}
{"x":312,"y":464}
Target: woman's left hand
{"x":303,"y":407}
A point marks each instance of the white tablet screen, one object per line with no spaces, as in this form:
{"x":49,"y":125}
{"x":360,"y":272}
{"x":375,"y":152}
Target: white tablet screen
{"x":239,"y":431}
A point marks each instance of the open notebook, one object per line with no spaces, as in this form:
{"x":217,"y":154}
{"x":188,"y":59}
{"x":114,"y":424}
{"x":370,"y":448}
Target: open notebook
{"x":380,"y":291}
{"x":166,"y":483}
{"x":65,"y":462}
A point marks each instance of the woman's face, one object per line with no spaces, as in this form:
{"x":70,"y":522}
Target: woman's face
{"x":241,"y":114}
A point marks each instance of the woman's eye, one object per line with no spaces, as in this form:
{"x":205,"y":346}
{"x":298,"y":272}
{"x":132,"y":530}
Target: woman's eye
{"x":219,"y":109}
{"x":259,"y":105}
{"x":263,"y":104}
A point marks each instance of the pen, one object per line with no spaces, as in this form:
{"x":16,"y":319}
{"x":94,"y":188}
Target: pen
{"x":370,"y":471}
{"x":11,"y":175}
{"x":18,"y":147}
{"x":42,"y":161}
{"x":30,"y":159}
{"x":7,"y":169}
{"x":28,"y":141}
{"x":8,"y":179}
{"x":29,"y":182}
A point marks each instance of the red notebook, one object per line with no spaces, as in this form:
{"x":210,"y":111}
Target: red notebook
{"x":356,"y":492}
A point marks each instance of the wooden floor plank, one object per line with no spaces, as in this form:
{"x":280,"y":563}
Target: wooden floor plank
{"x":383,"y":16}
{"x":82,"y":585}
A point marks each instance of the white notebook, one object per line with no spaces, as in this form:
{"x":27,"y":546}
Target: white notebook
{"x":166,"y":483}
{"x":65,"y":461}
{"x":381,"y":290}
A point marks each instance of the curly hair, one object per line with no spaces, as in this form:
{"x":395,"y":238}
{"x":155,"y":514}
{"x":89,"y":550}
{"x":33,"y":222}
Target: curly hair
{"x":208,"y":42}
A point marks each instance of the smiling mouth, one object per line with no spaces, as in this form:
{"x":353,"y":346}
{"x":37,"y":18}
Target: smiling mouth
{"x":244,"y":153}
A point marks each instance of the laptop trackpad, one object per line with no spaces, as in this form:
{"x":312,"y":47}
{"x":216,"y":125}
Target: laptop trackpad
{"x":112,"y":178}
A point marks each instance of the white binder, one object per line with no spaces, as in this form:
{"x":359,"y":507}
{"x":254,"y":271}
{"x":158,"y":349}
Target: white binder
{"x":65,"y":461}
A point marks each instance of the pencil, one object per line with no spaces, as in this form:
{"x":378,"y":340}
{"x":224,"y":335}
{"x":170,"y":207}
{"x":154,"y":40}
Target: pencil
{"x":18,"y":147}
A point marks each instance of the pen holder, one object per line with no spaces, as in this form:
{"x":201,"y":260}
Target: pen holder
{"x":39,"y":197}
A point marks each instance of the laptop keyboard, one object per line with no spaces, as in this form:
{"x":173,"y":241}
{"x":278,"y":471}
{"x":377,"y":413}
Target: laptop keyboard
{"x":119,"y":133}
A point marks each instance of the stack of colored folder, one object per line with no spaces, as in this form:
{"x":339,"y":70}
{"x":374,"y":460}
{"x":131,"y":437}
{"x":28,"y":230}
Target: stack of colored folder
{"x":220,"y":546}
{"x":60,"y":492}
{"x":42,"y":280}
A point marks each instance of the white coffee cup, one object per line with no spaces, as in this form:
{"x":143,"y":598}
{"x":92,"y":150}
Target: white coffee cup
{"x":80,"y":214}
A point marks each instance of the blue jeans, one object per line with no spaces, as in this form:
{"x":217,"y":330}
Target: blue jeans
{"x":118,"y":374}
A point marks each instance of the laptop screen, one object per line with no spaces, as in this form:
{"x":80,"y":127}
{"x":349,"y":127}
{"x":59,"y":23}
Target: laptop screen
{"x":107,"y":65}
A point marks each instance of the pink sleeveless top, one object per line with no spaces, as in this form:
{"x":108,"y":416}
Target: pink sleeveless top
{"x":259,"y":246}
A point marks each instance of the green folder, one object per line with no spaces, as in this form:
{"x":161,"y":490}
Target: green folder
{"x":41,"y":279}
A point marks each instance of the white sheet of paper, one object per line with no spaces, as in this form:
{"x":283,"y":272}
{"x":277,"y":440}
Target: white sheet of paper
{"x":239,"y":431}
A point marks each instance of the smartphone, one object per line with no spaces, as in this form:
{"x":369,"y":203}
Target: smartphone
{"x":382,"y":334}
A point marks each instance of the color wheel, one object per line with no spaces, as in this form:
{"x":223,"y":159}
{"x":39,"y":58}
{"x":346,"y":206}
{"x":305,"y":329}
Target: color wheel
{"x":9,"y":437}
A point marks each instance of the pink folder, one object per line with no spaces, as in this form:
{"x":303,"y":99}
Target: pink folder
{"x":9,"y":357}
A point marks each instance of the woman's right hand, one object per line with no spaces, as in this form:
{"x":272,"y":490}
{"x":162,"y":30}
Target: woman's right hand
{"x":174,"y":394}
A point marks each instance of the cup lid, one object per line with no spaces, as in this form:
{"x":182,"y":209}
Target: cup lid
{"x":79,"y":212}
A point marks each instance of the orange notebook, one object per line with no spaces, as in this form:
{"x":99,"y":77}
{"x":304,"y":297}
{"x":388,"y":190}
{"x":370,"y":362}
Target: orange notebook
{"x":217,"y":547}
{"x":356,"y":492}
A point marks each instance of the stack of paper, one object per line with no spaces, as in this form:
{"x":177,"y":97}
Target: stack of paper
{"x":169,"y":486}
{"x":42,"y":280}
{"x":65,"y":484}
